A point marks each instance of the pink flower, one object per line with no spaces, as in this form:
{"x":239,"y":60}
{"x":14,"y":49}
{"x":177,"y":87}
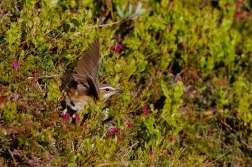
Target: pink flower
{"x":109,"y":2}
{"x":238,"y":4}
{"x":173,"y":138}
{"x":183,"y":42}
{"x":150,"y":153}
{"x":126,"y":60}
{"x":15,"y":64}
{"x":210,"y":131}
{"x":240,"y":14}
{"x":85,"y":128}
{"x":169,"y":27}
{"x":129,"y":124}
{"x":28,"y":122}
{"x":114,"y":131}
{"x":237,"y":13}
{"x":111,"y":48}
{"x":53,"y":124}
{"x":145,"y":110}
{"x":24,"y":108}
{"x":69,"y":128}
{"x":66,"y":117}
{"x":118,"y":48}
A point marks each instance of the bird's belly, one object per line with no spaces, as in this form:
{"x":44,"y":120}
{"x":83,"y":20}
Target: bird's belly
{"x":77,"y":106}
{"x":77,"y":103}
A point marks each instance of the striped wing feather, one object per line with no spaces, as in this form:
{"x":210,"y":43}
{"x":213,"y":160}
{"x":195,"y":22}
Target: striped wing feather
{"x":86,"y":70}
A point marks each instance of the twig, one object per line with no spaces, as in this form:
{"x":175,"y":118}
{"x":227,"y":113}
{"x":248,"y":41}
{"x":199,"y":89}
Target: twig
{"x":11,"y":154}
{"x":105,"y":25}
{"x":39,"y":87}
{"x":104,"y":17}
{"x":247,"y":145}
{"x":203,"y":3}
{"x":49,"y":76}
{"x":247,"y":5}
{"x":7,"y":14}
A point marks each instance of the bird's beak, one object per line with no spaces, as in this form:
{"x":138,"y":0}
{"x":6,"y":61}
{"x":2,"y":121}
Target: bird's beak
{"x":118,"y":91}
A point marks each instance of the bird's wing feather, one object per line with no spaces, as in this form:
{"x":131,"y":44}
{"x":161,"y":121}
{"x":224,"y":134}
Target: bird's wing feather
{"x":93,"y":87}
{"x":86,"y":70}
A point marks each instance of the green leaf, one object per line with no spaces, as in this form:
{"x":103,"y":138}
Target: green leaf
{"x":119,"y":12}
{"x":53,"y":3}
{"x":13,"y":33}
{"x":69,"y":56}
{"x":142,"y":66}
{"x":43,"y":48}
{"x":165,"y":89}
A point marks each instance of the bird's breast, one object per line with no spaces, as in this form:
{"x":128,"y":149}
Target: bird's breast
{"x":77,"y":100}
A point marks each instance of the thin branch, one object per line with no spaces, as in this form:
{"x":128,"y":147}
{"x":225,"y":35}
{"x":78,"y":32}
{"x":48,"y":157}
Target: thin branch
{"x":110,"y":24}
{"x":48,"y":76}
{"x":247,"y":5}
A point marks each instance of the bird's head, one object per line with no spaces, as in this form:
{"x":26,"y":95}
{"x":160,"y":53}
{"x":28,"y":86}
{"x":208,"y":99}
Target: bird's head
{"x":107,"y":91}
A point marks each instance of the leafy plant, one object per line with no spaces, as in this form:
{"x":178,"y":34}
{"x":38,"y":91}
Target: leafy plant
{"x":184,"y":68}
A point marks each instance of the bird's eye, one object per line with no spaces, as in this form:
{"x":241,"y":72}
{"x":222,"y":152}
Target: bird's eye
{"x":107,"y":89}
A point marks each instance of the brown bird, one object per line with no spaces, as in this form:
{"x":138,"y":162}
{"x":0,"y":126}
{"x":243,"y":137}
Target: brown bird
{"x":84,"y":87}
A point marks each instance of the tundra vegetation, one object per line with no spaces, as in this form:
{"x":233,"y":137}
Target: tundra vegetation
{"x":184,"y":67}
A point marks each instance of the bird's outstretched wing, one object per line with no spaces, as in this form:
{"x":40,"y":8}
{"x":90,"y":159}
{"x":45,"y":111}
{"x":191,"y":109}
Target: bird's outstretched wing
{"x":86,"y":71}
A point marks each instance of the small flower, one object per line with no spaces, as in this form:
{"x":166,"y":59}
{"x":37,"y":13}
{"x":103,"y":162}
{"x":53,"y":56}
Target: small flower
{"x":53,"y":124}
{"x":28,"y":122}
{"x":237,"y":14}
{"x":183,"y":42}
{"x":129,"y":124}
{"x":66,"y":117}
{"x":111,"y":133}
{"x":210,"y":131}
{"x":173,"y":138}
{"x":169,"y":27}
{"x":114,"y":131}
{"x":24,"y":108}
{"x":15,"y":64}
{"x":85,"y":128}
{"x":111,"y":48}
{"x":145,"y":110}
{"x":109,"y":2}
{"x":69,"y":128}
{"x":150,"y":153}
{"x":126,"y":60}
{"x":119,"y":48}
{"x":238,"y":4}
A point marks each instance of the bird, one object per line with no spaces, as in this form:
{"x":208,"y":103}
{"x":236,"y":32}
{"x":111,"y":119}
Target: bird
{"x":84,"y":87}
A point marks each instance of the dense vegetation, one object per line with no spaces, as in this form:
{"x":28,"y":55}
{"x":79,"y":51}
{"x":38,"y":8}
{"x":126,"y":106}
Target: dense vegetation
{"x":184,"y":67}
